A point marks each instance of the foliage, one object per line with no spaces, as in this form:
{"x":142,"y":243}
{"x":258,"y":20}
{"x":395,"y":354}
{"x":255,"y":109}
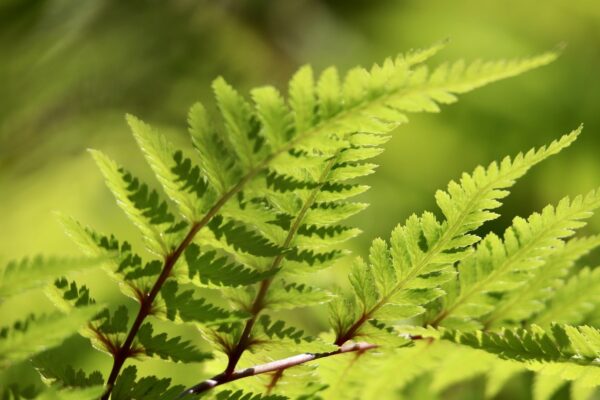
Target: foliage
{"x":260,"y":203}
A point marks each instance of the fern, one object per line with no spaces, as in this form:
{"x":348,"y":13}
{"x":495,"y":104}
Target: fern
{"x":571,"y":352}
{"x":542,"y":284}
{"x":402,"y":276}
{"x":27,"y":274}
{"x":34,"y":335}
{"x":573,"y":301}
{"x":496,"y":265}
{"x":260,"y":203}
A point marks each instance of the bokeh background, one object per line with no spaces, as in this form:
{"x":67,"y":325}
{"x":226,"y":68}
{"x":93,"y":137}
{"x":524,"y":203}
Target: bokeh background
{"x":70,"y":70}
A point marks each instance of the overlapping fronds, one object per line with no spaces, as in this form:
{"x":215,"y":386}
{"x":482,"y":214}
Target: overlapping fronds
{"x":261,"y":200}
{"x":39,"y":333}
{"x":407,"y":273}
{"x":128,"y":386}
{"x":574,"y":301}
{"x":173,"y":349}
{"x":541,"y":284}
{"x":563,"y":350}
{"x":497,"y":264}
{"x":30,"y":273}
{"x":65,"y":375}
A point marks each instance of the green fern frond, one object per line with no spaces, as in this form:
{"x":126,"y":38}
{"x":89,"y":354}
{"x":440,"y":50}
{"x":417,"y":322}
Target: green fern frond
{"x":292,"y":295}
{"x":241,"y":395}
{"x":122,"y":263}
{"x":384,"y":335}
{"x":243,"y":239}
{"x":64,"y":375}
{"x":214,"y":160}
{"x":239,"y":121}
{"x":496,"y":266}
{"x":275,"y":337}
{"x":107,"y":329}
{"x":66,"y":295}
{"x":406,"y":274}
{"x":183,"y":306}
{"x":30,"y":273}
{"x":207,"y":268}
{"x":143,"y":206}
{"x":572,"y":302}
{"x":541,"y":284}
{"x":114,"y":322}
{"x":173,"y":349}
{"x":274,"y":180}
{"x":128,"y":387}
{"x":181,"y":180}
{"x":38,"y":334}
{"x":567,"y":352}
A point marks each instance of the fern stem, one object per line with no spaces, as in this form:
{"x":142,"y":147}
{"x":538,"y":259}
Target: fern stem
{"x":124,"y":351}
{"x":274,"y":366}
{"x":416,"y":270}
{"x":146,"y":302}
{"x":258,"y":304}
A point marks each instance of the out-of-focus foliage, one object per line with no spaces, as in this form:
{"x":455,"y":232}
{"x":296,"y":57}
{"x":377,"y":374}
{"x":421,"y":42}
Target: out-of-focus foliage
{"x":70,"y":70}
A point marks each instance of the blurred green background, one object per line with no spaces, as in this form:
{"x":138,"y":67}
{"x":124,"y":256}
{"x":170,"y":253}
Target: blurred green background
{"x":70,"y":70}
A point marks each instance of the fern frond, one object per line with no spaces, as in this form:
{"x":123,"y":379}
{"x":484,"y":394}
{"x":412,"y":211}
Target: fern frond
{"x":239,"y":121}
{"x":143,"y":206}
{"x":181,"y":180}
{"x":183,"y":306}
{"x":273,"y":339}
{"x":173,"y":349}
{"x":496,"y":265}
{"x":541,"y":284}
{"x":374,"y":374}
{"x":384,"y":335}
{"x":406,"y":274}
{"x":211,"y":269}
{"x":129,"y":387}
{"x":214,"y":160}
{"x":30,"y":273}
{"x":244,"y":239}
{"x":65,"y":375}
{"x":292,"y":295}
{"x":122,"y":263}
{"x":567,"y":352}
{"x":66,"y":295}
{"x":572,"y":302}
{"x":273,"y":188}
{"x":107,"y":329}
{"x":240,"y":395}
{"x":40,"y":333}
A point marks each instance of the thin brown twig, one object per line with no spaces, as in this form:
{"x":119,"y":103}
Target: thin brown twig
{"x":124,"y":351}
{"x":274,"y":366}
